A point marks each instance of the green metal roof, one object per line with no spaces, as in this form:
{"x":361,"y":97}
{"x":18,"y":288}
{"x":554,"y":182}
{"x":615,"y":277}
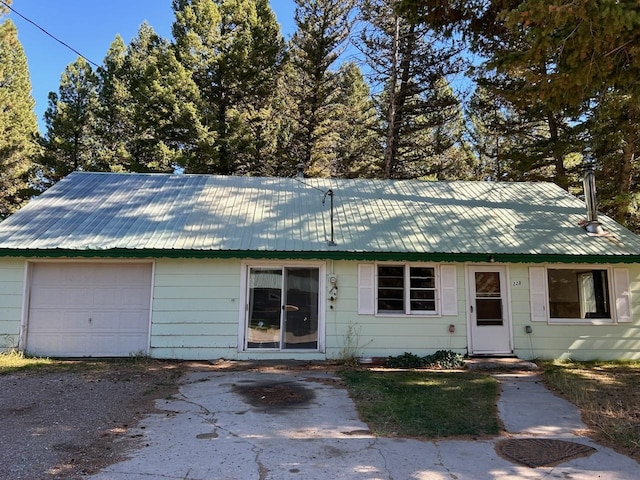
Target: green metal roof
{"x":110,"y":214}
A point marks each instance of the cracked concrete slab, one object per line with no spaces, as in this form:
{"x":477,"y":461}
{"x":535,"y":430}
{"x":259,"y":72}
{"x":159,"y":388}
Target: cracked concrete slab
{"x":212,"y":430}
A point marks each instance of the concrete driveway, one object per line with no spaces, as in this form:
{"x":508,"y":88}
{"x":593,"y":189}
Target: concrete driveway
{"x":302,"y":425}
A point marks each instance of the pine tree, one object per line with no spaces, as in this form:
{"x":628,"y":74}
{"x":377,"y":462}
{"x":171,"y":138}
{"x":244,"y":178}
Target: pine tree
{"x":439,"y":151}
{"x":355,"y":119}
{"x":409,"y":63}
{"x":614,"y":140}
{"x":323,"y":28}
{"x":595,"y":62}
{"x":18,"y":126}
{"x":490,"y":118}
{"x":164,"y":128}
{"x":234,"y":51}
{"x":114,"y":117}
{"x":568,"y":61}
{"x":70,"y":143}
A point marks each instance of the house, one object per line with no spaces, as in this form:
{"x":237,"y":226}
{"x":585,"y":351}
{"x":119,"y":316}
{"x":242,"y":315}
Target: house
{"x":208,"y":267}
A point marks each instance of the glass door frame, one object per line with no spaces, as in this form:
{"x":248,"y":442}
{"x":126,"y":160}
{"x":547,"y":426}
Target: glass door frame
{"x":246,"y":267}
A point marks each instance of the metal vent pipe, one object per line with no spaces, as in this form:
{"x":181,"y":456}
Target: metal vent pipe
{"x":589,"y":182}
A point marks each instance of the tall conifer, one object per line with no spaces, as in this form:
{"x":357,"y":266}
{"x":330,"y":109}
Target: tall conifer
{"x":323,"y":30}
{"x":18,"y":125}
{"x":409,"y":63}
{"x":70,"y":142}
{"x":234,"y":50}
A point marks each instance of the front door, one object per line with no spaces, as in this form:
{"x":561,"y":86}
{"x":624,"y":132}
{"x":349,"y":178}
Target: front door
{"x":283,"y":307}
{"x":489,"y":312}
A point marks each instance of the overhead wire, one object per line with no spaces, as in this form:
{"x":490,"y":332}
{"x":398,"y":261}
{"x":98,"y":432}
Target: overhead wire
{"x":13,"y":10}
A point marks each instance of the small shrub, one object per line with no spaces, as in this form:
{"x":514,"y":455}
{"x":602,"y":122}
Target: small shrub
{"x":406,"y":360}
{"x":441,"y":359}
{"x":445,"y":359}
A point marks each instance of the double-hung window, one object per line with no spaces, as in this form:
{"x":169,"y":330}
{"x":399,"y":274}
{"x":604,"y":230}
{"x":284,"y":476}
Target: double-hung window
{"x":406,"y":289}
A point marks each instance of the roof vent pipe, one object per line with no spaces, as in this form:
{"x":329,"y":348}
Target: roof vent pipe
{"x":300,"y":167}
{"x":593,"y":225}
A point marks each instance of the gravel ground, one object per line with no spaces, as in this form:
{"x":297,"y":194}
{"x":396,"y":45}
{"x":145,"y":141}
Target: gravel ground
{"x":64,"y":424}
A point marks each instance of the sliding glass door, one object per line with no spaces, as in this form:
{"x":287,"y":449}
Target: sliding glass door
{"x":283,"y":308}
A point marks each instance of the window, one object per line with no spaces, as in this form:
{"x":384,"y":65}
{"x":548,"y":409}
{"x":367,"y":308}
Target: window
{"x":578,"y":293}
{"x":406,"y":289}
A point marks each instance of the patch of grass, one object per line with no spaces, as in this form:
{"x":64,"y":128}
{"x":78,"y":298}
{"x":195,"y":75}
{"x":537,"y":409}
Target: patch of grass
{"x":425,"y":404}
{"x":608,"y":395}
{"x":14,"y":361}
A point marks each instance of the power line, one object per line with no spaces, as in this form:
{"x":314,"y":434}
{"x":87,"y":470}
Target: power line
{"x":49,"y":34}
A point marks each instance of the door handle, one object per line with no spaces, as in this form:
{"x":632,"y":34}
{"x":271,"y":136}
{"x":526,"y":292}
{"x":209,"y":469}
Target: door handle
{"x":471,"y":308}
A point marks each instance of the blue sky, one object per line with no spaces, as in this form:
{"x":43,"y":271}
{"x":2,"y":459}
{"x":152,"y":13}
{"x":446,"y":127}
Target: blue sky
{"x":90,"y":26}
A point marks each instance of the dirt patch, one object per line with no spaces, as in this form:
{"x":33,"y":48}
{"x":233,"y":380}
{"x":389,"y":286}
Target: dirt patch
{"x":75,"y":418}
{"x":67,"y":423}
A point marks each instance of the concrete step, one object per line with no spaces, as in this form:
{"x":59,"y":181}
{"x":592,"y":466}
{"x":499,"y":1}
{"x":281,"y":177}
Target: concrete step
{"x":499,"y":363}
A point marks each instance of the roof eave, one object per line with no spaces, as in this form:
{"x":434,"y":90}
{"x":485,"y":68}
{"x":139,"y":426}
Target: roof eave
{"x":323,"y":255}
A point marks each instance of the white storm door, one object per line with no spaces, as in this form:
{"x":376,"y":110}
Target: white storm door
{"x":488,"y":311}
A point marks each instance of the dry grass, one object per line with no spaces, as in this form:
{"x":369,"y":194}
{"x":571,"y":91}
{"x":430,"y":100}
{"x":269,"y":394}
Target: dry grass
{"x":13,"y":360}
{"x":608,"y":394}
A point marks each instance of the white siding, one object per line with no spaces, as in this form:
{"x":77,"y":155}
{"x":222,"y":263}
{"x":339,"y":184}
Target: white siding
{"x":349,"y":332}
{"x":12,"y":273}
{"x":195,"y":309}
{"x":380,"y":336}
{"x":580,"y":341}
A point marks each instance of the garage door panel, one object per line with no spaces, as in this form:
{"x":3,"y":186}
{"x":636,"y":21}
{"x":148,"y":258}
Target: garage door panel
{"x":49,"y":296}
{"x":47,"y":343}
{"x":76,"y":321}
{"x":45,"y":321}
{"x":78,"y":298}
{"x":127,"y":344}
{"x":89,"y":309}
{"x":128,"y":323}
{"x":122,"y":321}
{"x":108,"y":297}
{"x":75,"y":274}
{"x":61,"y":297}
{"x":136,"y":298}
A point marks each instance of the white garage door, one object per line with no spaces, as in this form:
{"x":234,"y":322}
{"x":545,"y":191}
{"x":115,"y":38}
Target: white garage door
{"x":89,"y":309}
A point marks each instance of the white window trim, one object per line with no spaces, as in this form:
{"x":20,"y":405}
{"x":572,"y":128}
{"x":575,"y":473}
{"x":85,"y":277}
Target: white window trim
{"x":615,"y":316}
{"x":407,"y":291}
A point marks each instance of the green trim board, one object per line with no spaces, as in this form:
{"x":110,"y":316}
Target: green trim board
{"x":328,"y":255}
